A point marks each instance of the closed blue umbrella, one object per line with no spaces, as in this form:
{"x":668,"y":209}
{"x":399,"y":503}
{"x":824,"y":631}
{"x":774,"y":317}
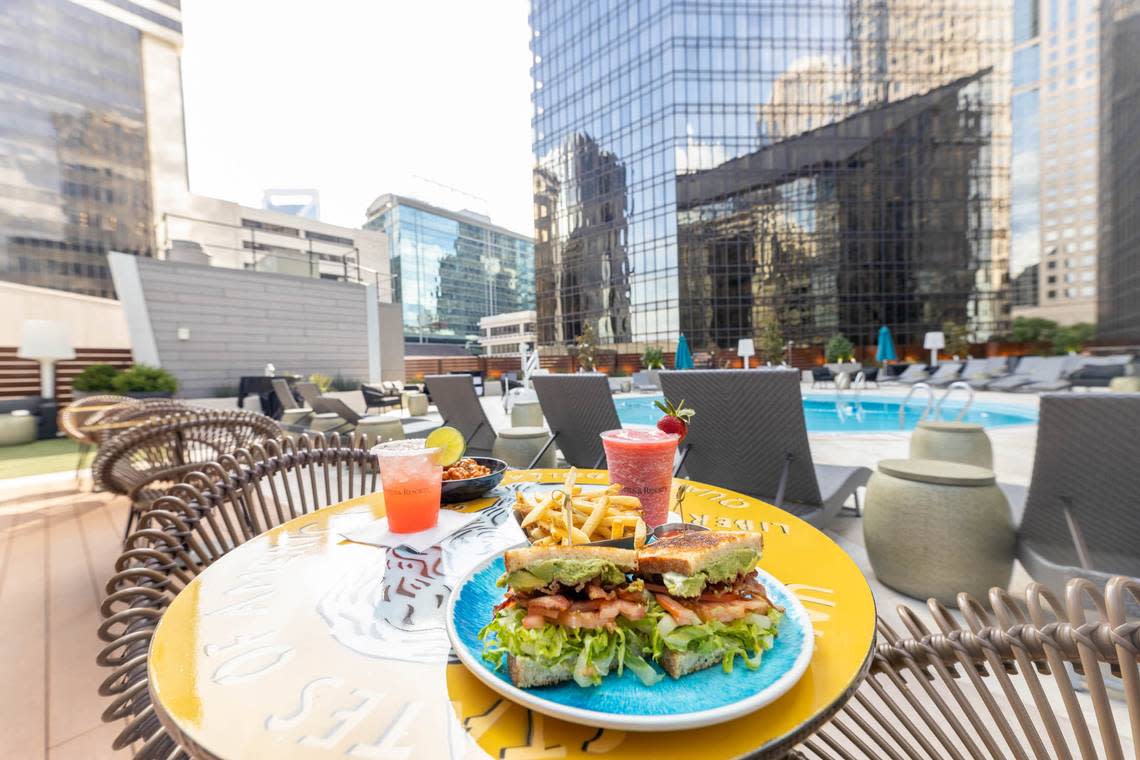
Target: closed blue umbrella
{"x":886,"y":350}
{"x":683,"y":359}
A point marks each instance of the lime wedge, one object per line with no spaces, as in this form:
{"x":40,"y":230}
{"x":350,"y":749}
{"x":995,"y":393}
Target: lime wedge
{"x":450,"y":443}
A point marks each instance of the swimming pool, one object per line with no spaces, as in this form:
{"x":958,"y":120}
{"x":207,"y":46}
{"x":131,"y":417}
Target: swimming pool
{"x":826,"y":414}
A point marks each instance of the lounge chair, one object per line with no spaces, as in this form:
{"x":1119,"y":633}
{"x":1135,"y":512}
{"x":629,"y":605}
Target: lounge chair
{"x":1080,"y":518}
{"x":993,"y":368}
{"x":454,"y":397}
{"x":821,"y":376}
{"x":749,"y":435}
{"x":1046,"y":376}
{"x":975,"y":369}
{"x":309,"y":392}
{"x":578,"y":408}
{"x":914,"y":373}
{"x":1098,"y":371}
{"x":643,"y":381}
{"x":379,"y":397}
{"x":294,"y":417}
{"x":945,"y":373}
{"x":1022,"y":374}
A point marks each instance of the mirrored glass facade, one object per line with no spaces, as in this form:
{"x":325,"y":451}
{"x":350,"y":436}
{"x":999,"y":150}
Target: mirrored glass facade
{"x":1119,"y":303}
{"x":704,"y":167}
{"x":73,"y":143}
{"x":450,"y":269}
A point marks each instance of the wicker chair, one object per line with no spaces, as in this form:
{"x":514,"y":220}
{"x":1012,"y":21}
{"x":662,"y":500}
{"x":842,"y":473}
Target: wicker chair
{"x":72,"y":418}
{"x":144,"y":461}
{"x":216,"y":508}
{"x":118,"y":419}
{"x":995,"y":688}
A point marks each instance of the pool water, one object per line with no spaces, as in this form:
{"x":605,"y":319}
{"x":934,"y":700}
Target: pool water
{"x":827,"y":414}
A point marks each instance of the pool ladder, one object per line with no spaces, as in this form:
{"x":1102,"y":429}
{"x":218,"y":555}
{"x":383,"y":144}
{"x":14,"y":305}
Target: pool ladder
{"x":934,"y":408}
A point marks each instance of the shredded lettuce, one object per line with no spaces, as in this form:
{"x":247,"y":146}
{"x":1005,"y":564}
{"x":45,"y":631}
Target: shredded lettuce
{"x":592,"y":654}
{"x":748,"y":637}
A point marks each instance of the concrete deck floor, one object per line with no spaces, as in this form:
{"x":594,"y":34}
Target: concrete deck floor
{"x":58,"y":543}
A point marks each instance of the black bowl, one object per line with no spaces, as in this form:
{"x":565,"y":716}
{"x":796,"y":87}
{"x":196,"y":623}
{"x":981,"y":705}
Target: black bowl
{"x":472,"y":488}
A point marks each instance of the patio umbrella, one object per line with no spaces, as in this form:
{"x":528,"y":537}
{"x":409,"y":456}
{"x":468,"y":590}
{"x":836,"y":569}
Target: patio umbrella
{"x":683,"y":359}
{"x":886,"y":350}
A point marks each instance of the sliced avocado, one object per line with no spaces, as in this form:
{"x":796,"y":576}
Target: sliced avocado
{"x":568,"y":572}
{"x":724,"y":569}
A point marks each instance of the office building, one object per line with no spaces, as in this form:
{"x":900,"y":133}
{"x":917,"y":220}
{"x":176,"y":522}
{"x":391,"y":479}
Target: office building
{"x":452,"y":268}
{"x":1119,"y":304}
{"x":203,"y":230}
{"x":1054,"y":217}
{"x":707,"y":168}
{"x":504,"y":334}
{"x":92,"y":143}
{"x":305,"y":203}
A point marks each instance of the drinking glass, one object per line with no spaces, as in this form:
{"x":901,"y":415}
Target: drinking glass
{"x":642,"y":461}
{"x":411,"y":481}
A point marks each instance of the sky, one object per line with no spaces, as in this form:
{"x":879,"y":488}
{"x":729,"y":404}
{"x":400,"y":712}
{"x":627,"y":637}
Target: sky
{"x":361,"y":97}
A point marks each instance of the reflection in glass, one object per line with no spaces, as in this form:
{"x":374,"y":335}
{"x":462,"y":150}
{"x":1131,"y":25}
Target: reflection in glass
{"x":74,"y":146}
{"x":780,"y":160}
{"x":452,"y":268}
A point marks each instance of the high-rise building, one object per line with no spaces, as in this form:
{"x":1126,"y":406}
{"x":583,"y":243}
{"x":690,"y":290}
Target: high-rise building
{"x":306,"y":203}
{"x":92,"y":143}
{"x":705,"y":168}
{"x":1119,"y":303}
{"x":452,"y":268}
{"x":1054,"y":235}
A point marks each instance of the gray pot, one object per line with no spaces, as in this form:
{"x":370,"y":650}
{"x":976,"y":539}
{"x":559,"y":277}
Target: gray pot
{"x":935,"y":528}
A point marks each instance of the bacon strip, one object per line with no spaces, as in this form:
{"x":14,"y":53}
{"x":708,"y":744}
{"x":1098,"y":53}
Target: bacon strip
{"x":679,"y":612}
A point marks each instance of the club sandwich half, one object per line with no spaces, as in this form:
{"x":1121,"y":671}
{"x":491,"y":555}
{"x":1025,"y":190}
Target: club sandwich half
{"x":570,"y":612}
{"x":709,"y":606}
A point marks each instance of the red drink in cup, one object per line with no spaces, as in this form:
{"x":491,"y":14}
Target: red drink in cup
{"x":642,"y":461}
{"x":411,"y":480}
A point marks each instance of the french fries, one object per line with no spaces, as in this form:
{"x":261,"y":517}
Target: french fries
{"x":571,"y":515}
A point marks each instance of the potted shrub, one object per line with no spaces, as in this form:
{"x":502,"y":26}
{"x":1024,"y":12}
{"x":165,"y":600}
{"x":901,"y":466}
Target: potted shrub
{"x":95,"y":379}
{"x":838,"y":349}
{"x":141,"y":381}
{"x":654,"y":359}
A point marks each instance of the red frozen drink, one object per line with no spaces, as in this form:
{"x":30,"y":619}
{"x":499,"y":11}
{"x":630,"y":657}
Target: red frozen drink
{"x":642,"y":461}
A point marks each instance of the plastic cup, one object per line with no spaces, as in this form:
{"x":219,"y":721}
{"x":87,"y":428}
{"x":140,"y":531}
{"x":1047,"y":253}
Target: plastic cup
{"x":642,"y":462}
{"x":411,"y":481}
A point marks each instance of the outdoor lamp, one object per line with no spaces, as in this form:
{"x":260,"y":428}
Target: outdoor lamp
{"x":47,"y":342}
{"x":745,"y":350}
{"x":934,"y":341}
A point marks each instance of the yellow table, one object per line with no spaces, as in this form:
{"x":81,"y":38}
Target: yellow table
{"x":299,"y":644}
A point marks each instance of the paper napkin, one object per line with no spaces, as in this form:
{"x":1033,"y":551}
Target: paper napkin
{"x":379,"y":534}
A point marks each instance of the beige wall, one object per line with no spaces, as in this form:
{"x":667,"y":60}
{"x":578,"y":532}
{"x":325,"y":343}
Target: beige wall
{"x":93,"y":322}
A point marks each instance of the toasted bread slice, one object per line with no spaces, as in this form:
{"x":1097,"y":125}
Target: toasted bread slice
{"x":518,"y":559}
{"x":526,"y":673}
{"x":679,"y":664}
{"x":693,"y":550}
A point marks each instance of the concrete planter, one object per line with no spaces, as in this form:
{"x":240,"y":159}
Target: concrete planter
{"x":961,"y":442}
{"x":935,"y":528}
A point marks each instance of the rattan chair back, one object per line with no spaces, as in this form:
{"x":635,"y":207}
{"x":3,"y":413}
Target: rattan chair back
{"x":219,"y":506}
{"x":145,"y":460}
{"x":1003,"y":687}
{"x":78,"y":413}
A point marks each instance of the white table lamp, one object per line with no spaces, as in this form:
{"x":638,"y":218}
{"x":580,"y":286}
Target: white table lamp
{"x":47,"y":342}
{"x":934,"y":341}
{"x":745,"y":350}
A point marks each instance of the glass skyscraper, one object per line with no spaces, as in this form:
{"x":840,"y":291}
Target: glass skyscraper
{"x":1053,"y":257}
{"x":1119,"y":303}
{"x":77,"y":140}
{"x":452,"y":268}
{"x":708,"y":167}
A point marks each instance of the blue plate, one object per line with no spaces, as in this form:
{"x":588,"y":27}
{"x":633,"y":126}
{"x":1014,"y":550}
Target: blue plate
{"x":703,"y":698}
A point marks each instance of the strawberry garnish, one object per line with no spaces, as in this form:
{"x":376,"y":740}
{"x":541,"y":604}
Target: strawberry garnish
{"x":676,"y":419}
